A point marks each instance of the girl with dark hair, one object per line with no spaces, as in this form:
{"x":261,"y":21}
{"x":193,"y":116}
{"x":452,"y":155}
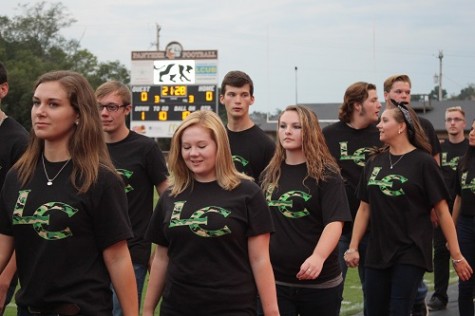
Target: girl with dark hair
{"x":399,"y":186}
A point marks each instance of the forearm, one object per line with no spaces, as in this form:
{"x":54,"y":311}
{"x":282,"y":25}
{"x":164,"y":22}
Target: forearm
{"x":6,"y":244}
{"x":156,"y":280}
{"x":328,"y":240}
{"x":263,"y":273}
{"x":360,"y":225}
{"x":7,"y":275}
{"x":448,"y":228}
{"x":121,"y":271}
{"x":456,"y":209}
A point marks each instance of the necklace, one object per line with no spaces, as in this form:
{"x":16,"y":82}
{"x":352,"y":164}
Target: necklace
{"x":50,"y":181}
{"x":391,"y":164}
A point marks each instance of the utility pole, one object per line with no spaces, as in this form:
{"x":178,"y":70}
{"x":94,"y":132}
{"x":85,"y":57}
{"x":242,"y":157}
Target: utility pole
{"x":296,"y":87}
{"x":157,"y":43}
{"x":441,"y":55}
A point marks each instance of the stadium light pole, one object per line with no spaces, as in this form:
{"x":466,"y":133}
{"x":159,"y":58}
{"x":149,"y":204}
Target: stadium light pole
{"x":441,"y":55}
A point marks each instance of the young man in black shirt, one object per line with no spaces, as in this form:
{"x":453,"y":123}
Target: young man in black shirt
{"x":141,"y":164}
{"x":13,"y":141}
{"x":251,"y":148}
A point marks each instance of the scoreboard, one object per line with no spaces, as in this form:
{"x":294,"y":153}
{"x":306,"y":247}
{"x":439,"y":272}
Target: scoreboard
{"x":167,"y":87}
{"x":171,"y":102}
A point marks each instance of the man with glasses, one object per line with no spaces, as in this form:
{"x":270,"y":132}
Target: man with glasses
{"x":140,"y":162}
{"x":453,"y":148}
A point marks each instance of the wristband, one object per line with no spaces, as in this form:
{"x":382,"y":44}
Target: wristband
{"x":457,"y":261}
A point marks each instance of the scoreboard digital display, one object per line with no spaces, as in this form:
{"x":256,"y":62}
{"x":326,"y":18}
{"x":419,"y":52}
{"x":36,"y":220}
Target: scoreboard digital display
{"x":171,"y":102}
{"x":169,"y":85}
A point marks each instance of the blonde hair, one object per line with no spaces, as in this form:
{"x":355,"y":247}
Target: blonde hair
{"x":317,"y":155}
{"x":180,"y":176}
{"x":455,"y":109}
{"x":389,"y":82}
{"x":115,"y":87}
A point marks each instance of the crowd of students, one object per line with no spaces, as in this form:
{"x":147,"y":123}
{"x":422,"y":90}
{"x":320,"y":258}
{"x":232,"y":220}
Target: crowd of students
{"x":244,"y":225}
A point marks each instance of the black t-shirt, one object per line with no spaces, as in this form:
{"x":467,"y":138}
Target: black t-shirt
{"x":401,"y":200}
{"x":449,"y":159}
{"x":301,"y":210}
{"x":13,"y":141}
{"x":60,"y":235}
{"x":350,"y":146}
{"x":252,"y":150}
{"x":141,"y":164}
{"x":206,"y":231}
{"x":431,"y":135}
{"x":465,"y":187}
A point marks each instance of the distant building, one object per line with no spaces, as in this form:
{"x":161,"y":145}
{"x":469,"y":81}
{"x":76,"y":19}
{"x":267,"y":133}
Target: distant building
{"x":432,"y":110}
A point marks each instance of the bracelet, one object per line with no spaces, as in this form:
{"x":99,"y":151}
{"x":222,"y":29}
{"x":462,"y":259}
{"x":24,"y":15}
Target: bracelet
{"x":349,"y":251}
{"x":457,"y":261}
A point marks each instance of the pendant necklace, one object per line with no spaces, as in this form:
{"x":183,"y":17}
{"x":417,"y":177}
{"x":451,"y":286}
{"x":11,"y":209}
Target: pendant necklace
{"x":391,"y":164}
{"x":50,"y":181}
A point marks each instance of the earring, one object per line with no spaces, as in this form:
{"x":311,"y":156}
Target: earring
{"x":77,"y":122}
{"x":399,"y":132}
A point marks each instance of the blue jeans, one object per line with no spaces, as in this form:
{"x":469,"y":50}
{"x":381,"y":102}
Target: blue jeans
{"x":343,"y":245}
{"x":421,"y":292}
{"x":140,"y":273}
{"x":295,"y":301}
{"x":466,"y":237}
{"x":392,"y":291}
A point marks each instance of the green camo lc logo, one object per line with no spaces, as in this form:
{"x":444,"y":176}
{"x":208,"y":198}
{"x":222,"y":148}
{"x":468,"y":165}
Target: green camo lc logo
{"x":467,"y":186}
{"x":240,"y":160}
{"x":386,"y":183}
{"x":451,"y":163}
{"x":199,"y":218}
{"x":127,"y":174}
{"x":285,"y":203}
{"x":358,"y":156}
{"x":40,"y":218}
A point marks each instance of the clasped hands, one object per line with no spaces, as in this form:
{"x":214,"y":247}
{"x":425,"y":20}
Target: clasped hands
{"x":352,"y":258}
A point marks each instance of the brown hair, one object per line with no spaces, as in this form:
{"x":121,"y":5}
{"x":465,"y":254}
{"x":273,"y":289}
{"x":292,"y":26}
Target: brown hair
{"x":237,"y":79}
{"x":86,"y":146}
{"x":356,"y":93}
{"x":317,"y":155}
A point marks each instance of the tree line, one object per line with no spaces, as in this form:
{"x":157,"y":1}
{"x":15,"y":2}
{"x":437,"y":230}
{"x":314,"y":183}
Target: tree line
{"x":31,"y":44}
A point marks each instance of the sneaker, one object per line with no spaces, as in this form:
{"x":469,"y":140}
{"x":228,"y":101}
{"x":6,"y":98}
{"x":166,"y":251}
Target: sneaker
{"x":420,"y":309}
{"x":436,"y":304}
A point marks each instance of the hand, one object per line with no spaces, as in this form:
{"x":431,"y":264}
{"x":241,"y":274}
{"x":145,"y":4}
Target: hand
{"x":352,"y":258}
{"x":463,"y":269}
{"x":3,"y":295}
{"x":311,"y":268}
